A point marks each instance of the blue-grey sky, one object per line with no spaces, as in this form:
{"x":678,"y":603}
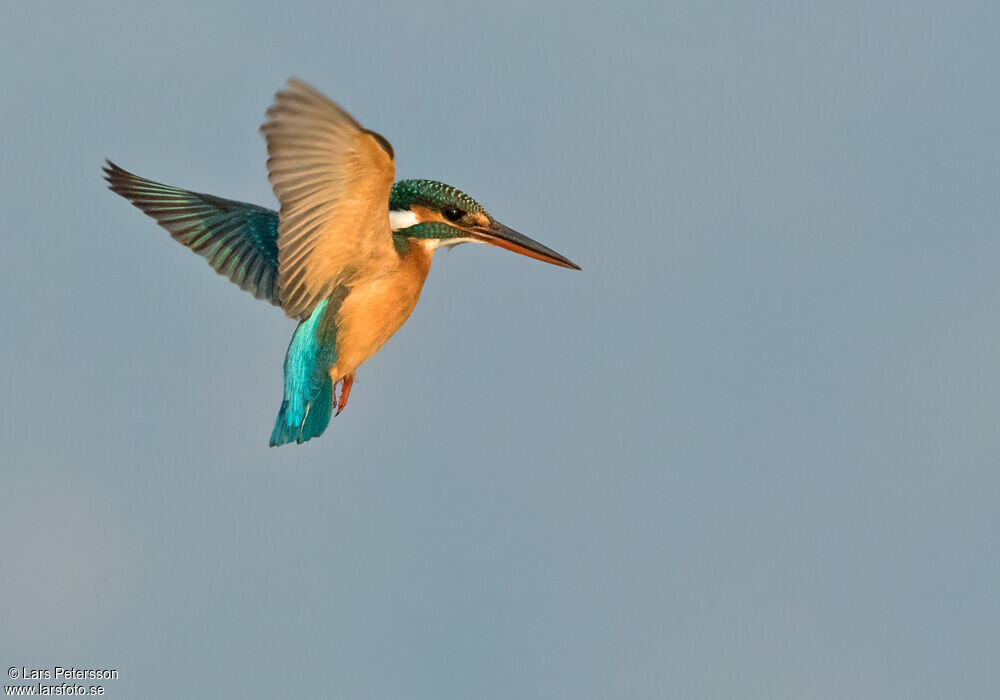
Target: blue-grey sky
{"x":751,"y":451}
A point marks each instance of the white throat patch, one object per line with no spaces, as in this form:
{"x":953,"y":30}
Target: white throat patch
{"x":433,"y":244}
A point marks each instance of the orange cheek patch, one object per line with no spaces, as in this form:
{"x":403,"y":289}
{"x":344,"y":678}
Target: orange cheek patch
{"x":424,"y":214}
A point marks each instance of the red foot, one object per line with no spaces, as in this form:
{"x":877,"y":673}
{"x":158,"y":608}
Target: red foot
{"x":345,"y":391}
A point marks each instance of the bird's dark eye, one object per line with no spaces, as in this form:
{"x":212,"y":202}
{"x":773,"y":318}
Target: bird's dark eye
{"x":452,"y":213}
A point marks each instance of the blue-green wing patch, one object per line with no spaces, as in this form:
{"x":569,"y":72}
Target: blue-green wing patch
{"x":238,"y":240}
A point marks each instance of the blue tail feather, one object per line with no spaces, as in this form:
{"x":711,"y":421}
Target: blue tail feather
{"x":317,"y":417}
{"x":308,"y":400}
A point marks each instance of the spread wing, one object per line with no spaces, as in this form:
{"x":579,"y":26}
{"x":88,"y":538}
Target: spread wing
{"x":332,"y":178}
{"x":236,"y":238}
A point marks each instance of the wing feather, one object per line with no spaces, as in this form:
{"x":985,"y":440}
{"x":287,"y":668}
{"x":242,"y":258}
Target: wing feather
{"x":332,"y":178}
{"x":237,"y":239}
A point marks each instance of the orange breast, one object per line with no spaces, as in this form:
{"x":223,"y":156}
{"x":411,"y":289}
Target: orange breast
{"x":376,"y":307}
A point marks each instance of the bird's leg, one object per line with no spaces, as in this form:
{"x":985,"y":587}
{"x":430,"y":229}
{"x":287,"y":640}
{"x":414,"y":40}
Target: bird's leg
{"x":345,"y":391}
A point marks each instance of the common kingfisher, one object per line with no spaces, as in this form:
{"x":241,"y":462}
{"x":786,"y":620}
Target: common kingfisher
{"x":346,"y":254}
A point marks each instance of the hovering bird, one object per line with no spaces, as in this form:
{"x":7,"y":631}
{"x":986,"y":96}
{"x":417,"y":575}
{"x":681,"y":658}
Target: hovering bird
{"x":346,"y":255}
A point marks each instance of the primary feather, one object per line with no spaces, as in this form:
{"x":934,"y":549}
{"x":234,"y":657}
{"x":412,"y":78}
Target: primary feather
{"x":239,"y":240}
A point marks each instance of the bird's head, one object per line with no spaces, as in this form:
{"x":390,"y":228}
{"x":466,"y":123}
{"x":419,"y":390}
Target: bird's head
{"x":441,"y":215}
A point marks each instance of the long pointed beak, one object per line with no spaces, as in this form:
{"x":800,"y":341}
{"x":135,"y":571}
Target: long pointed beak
{"x":499,"y":235}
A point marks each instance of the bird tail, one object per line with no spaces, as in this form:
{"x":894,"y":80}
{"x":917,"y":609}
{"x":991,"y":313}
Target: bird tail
{"x":308,"y":400}
{"x":315,"y":417}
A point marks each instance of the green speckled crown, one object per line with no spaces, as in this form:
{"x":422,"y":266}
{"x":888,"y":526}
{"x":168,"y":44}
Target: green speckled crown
{"x":431,"y":194}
